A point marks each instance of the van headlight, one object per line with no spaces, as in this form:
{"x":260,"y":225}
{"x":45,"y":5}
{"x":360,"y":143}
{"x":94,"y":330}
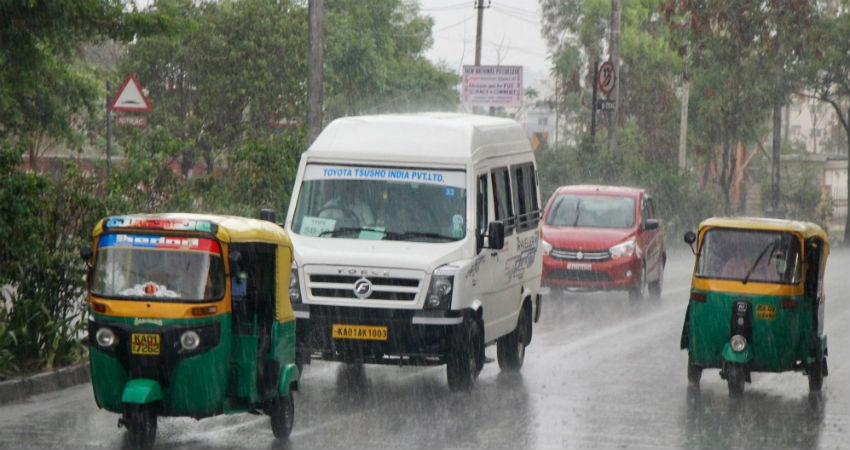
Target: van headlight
{"x":190,"y":340}
{"x":738,"y":343}
{"x":624,"y":249}
{"x":547,"y":247}
{"x":440,"y":291}
{"x":294,"y":284}
{"x":105,"y":337}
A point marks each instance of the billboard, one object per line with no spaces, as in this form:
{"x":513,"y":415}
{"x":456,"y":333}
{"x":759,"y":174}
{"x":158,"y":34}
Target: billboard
{"x":492,"y":86}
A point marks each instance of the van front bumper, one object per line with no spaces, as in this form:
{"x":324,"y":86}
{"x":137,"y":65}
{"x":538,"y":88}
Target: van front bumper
{"x":406,"y":337}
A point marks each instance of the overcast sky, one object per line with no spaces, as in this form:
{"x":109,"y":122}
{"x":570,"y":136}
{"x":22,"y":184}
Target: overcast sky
{"x":510,"y":36}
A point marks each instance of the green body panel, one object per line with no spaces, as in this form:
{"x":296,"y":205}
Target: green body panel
{"x":737,"y":357}
{"x":289,"y":377}
{"x":777,"y":343}
{"x":108,"y":378}
{"x":283,"y":342}
{"x":141,"y":391}
{"x":198,"y":384}
{"x":244,"y":364}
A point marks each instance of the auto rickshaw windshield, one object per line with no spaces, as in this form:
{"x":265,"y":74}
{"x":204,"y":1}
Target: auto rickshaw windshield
{"x":164,"y":268}
{"x":750,"y":255}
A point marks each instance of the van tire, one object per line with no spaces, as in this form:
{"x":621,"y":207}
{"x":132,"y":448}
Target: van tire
{"x":510,"y":348}
{"x":464,"y":362}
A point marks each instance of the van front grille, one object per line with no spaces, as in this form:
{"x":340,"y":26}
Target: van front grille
{"x":403,"y":287}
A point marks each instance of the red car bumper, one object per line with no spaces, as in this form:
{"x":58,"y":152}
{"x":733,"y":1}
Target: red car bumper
{"x":611,"y":274}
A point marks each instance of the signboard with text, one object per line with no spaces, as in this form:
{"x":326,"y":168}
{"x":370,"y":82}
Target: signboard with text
{"x":492,"y":86}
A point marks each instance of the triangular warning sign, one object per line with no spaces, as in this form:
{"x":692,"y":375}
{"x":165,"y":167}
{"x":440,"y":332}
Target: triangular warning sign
{"x":130,"y":97}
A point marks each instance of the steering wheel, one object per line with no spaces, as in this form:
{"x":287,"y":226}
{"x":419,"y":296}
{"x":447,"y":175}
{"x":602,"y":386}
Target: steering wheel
{"x":348,"y":216}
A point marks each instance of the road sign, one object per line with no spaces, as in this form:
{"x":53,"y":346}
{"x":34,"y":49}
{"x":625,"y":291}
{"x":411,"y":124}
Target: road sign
{"x":134,"y":121}
{"x":606,"y":77}
{"x":130,"y":97}
{"x":492,"y":85}
{"x":606,"y":105}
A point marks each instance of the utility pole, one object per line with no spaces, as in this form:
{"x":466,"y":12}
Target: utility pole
{"x":615,"y":58}
{"x":683,"y":124}
{"x":479,"y":5}
{"x":108,"y":130}
{"x":315,"y":11}
{"x":777,"y":133}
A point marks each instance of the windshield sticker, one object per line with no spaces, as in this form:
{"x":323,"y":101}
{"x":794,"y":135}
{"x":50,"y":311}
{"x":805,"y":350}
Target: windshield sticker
{"x":315,"y":226}
{"x":453,"y":178}
{"x":159,"y":242}
{"x":374,"y":233}
{"x":159,"y":224}
{"x":450,"y":192}
{"x":457,"y":225}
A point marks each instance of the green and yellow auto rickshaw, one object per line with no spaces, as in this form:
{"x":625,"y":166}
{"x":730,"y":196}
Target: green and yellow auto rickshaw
{"x":757,"y":300}
{"x":190,"y":316}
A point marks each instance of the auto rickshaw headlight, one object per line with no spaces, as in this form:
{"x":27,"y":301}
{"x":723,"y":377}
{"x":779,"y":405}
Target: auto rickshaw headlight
{"x":105,"y":337}
{"x":738,"y":343}
{"x":190,"y":340}
{"x":294,"y":285}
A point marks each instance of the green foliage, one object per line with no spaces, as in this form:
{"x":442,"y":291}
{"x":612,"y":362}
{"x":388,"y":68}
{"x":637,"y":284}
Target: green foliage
{"x":44,"y":222}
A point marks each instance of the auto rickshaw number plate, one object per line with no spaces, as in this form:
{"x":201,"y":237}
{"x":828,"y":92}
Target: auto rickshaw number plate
{"x":372,"y":333}
{"x":145,"y":344}
{"x":765,"y":312}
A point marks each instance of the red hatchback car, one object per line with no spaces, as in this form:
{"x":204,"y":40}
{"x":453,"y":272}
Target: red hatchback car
{"x":603,"y":238}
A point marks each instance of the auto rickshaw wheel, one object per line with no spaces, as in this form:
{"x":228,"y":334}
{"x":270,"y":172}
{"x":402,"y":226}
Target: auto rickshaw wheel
{"x":140,"y":421}
{"x":736,"y":376}
{"x":463,"y":364}
{"x":282,"y":416}
{"x":815,"y":373}
{"x":694,"y":372}
{"x":510,"y":348}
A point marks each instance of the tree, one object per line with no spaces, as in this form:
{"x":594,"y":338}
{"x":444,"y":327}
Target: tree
{"x":828,"y":76}
{"x":375,"y":60}
{"x":729,"y":48}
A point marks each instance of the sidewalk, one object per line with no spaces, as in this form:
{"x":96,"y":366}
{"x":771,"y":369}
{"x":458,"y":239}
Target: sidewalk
{"x":20,"y":388}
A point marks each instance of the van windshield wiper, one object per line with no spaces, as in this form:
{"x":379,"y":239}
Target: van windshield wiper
{"x":352,"y":230}
{"x":413,"y":234}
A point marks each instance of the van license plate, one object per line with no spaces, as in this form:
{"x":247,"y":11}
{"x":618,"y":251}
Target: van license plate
{"x":340,"y":331}
{"x":144,"y":344}
{"x":579,"y":266}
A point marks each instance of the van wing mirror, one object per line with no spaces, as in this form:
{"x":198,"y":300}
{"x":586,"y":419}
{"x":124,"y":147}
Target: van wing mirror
{"x":496,"y":235}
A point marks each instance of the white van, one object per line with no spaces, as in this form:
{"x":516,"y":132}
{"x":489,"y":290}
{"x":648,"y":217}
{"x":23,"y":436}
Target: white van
{"x":416,"y":241}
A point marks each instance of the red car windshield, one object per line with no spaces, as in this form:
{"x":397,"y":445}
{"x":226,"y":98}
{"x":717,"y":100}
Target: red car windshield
{"x":595,"y":211}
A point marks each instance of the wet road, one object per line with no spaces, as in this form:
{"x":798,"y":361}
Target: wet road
{"x":602,"y":372}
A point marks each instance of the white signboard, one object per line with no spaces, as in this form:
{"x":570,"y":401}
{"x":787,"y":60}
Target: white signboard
{"x":492,"y":85}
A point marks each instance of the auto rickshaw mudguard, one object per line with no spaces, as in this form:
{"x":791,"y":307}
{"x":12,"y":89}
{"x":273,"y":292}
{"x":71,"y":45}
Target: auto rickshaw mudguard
{"x":141,"y":391}
{"x":732,"y":356}
{"x":288,"y":376}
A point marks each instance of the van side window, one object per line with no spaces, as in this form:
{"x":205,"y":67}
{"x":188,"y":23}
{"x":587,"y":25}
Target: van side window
{"x":525,"y":196}
{"x":481,"y":204}
{"x":502,"y":198}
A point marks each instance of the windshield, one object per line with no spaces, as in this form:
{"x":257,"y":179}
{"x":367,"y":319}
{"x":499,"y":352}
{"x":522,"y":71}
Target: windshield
{"x":593,"y":211}
{"x":389,"y":203}
{"x":748,"y":255}
{"x":166,"y":268}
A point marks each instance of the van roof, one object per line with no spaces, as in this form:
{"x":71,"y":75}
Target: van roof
{"x":441,"y":137}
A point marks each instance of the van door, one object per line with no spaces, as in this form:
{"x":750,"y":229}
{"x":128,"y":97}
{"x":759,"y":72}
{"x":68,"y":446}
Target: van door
{"x":500,"y":310}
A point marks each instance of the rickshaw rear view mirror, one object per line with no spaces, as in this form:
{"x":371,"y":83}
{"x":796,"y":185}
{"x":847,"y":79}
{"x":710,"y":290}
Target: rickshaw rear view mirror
{"x":690,"y":238}
{"x":86,"y":254}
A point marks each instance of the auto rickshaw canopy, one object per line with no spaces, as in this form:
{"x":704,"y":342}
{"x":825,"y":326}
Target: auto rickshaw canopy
{"x":805,"y":230}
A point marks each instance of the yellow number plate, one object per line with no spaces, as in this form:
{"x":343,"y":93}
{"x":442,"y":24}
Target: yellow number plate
{"x":145,"y":344}
{"x":765,"y":312}
{"x":359,"y":332}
